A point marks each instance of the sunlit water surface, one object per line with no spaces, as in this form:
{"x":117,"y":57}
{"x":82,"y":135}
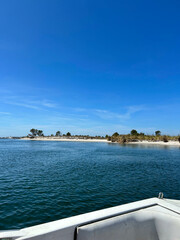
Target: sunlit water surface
{"x":46,"y":181}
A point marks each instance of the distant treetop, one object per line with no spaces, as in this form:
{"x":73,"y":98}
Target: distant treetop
{"x":158,"y":133}
{"x":134,"y":132}
{"x":116,"y":134}
{"x":35,"y":132}
{"x":58,"y":133}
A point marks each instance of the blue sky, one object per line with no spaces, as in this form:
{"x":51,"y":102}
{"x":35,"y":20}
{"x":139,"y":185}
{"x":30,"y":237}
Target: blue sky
{"x":89,"y":67}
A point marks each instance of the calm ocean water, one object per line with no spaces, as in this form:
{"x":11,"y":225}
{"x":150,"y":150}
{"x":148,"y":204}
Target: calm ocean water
{"x":46,"y":181}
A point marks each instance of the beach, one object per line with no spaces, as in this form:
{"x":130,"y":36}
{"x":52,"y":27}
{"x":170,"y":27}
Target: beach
{"x":64,"y":139}
{"x":169,"y":143}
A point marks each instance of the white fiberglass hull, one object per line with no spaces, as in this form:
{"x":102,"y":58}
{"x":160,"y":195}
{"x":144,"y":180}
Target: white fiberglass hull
{"x":151,"y":219}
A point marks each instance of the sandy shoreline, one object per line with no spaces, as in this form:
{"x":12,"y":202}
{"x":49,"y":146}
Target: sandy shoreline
{"x":170,"y":143}
{"x":65,"y":139}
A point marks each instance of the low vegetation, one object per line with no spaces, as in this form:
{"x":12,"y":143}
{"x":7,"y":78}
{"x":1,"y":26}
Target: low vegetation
{"x":134,"y":136}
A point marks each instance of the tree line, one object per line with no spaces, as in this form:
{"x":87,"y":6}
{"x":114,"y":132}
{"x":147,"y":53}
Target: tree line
{"x":39,"y":133}
{"x":135,"y":136}
{"x":36,"y":132}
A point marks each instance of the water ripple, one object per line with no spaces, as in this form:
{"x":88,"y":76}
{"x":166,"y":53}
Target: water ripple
{"x":46,"y":181}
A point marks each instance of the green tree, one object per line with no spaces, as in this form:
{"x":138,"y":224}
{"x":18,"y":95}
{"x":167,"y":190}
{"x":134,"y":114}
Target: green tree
{"x":58,"y":133}
{"x":33,"y":132}
{"x":116,"y":134}
{"x":68,"y":134}
{"x":134,"y":132}
{"x":158,"y":133}
{"x":40,"y":133}
{"x":179,"y":139}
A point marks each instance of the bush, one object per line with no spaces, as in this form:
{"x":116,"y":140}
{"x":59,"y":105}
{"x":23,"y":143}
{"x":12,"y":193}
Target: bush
{"x":113,"y":139}
{"x":165,"y":139}
{"x":109,"y":138}
{"x":122,"y":140}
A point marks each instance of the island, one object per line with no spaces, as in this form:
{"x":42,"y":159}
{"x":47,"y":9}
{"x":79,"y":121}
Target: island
{"x":132,"y":138}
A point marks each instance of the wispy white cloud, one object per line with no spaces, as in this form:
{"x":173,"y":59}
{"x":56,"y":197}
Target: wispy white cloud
{"x":5,"y":113}
{"x":125,"y":113}
{"x":23,"y":105}
{"x":28,"y":102}
{"x":42,"y":103}
{"x":48,"y":104}
{"x":105,"y":114}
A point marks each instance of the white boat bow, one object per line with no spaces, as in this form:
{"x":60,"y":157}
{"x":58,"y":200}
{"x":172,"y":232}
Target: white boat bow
{"x":150,"y":219}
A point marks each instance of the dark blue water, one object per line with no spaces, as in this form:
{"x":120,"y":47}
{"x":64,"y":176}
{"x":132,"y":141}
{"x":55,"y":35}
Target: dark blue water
{"x":46,"y":181}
